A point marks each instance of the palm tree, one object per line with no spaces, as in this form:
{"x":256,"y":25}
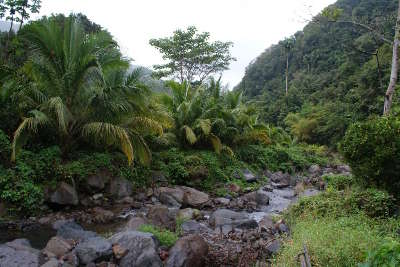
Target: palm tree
{"x":80,"y":89}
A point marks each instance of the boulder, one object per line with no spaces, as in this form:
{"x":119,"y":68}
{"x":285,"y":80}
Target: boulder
{"x":274,"y":247}
{"x":266,"y":223}
{"x":170,"y":196}
{"x":18,"y":253}
{"x":159,"y":215}
{"x":343,"y":169}
{"x":189,"y":251}
{"x":169,"y":200}
{"x":234,"y":188}
{"x":314,"y":170}
{"x":72,"y":230}
{"x":134,"y":223}
{"x":222,"y":201}
{"x":64,"y":195}
{"x":193,"y":197}
{"x":142,"y":249}
{"x":226,"y":220}
{"x":52,"y":263}
{"x":97,"y":181}
{"x":93,"y":249}
{"x":188,"y":214}
{"x":194,"y":227}
{"x":280,"y":177}
{"x":120,"y":188}
{"x":249,"y":176}
{"x":58,"y":246}
{"x":261,"y":198}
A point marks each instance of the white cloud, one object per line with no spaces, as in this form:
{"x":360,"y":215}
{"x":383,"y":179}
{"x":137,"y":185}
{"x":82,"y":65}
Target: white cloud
{"x":253,"y":25}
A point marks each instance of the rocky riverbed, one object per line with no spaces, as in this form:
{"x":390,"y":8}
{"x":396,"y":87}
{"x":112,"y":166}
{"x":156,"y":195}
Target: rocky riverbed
{"x":214,"y":231}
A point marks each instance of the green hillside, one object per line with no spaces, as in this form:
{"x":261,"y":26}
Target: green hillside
{"x":334,"y":77}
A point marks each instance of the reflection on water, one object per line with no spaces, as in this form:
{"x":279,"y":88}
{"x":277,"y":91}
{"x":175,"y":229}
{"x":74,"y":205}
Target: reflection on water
{"x":38,"y":235}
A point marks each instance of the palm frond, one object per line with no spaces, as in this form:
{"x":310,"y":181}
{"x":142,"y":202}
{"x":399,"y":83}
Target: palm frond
{"x":27,"y":126}
{"x":110,"y":134}
{"x":145,"y":124}
{"x":204,"y":125}
{"x":189,"y":134}
{"x":63,"y":115}
{"x":216,"y":143}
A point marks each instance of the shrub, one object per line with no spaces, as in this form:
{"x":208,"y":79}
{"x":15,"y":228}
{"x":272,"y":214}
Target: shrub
{"x":372,"y":149}
{"x":166,"y":237}
{"x":21,"y":192}
{"x":372,"y":202}
{"x":338,"y":182}
{"x":331,"y":241}
{"x":5,"y":148}
{"x":284,"y":158}
{"x":387,"y":254}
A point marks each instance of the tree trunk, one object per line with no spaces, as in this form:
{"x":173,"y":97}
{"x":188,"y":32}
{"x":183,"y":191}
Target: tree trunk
{"x":12,"y":24}
{"x":395,"y":67}
{"x":287,"y":73}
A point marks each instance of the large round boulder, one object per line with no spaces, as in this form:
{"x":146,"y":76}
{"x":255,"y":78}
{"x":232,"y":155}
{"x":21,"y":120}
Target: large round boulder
{"x":189,"y":251}
{"x":141,"y":249}
{"x":64,"y":195}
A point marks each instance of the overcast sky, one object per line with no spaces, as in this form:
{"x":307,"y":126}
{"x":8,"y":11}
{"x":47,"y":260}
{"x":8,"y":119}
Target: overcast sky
{"x":252,"y":25}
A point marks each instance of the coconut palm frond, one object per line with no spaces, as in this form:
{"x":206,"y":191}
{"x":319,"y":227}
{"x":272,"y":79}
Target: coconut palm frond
{"x":142,"y":151}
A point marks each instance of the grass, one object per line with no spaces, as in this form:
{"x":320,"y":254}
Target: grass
{"x":166,"y":237}
{"x":332,"y":241}
{"x":340,"y":227}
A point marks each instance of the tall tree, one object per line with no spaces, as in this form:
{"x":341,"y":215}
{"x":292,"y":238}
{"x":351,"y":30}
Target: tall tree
{"x":288,"y":45}
{"x":3,"y":9}
{"x":395,"y":67}
{"x":11,"y":6}
{"x":191,"y":56}
{"x":26,"y":7}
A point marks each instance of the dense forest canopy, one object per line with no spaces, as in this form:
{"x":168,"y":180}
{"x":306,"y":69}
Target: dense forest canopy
{"x":334,"y":75}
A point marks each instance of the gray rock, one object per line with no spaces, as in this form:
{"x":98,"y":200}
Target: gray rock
{"x":266,"y":223}
{"x":343,"y":169}
{"x":134,"y":224}
{"x":169,"y":200}
{"x":274,"y":247}
{"x":52,"y":263}
{"x":249,"y":176}
{"x":226,"y":220}
{"x":189,"y":251}
{"x":18,"y":253}
{"x":188,"y":214}
{"x":193,"y":197}
{"x":58,"y":246}
{"x":222,"y":201}
{"x":175,"y":193}
{"x":93,"y":249}
{"x":261,"y":198}
{"x":71,"y":230}
{"x":194,"y":227}
{"x":280,"y":177}
{"x":98,"y":181}
{"x":120,"y":188}
{"x":64,"y":195}
{"x":314,"y":170}
{"x":142,"y":249}
{"x":159,"y":215}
